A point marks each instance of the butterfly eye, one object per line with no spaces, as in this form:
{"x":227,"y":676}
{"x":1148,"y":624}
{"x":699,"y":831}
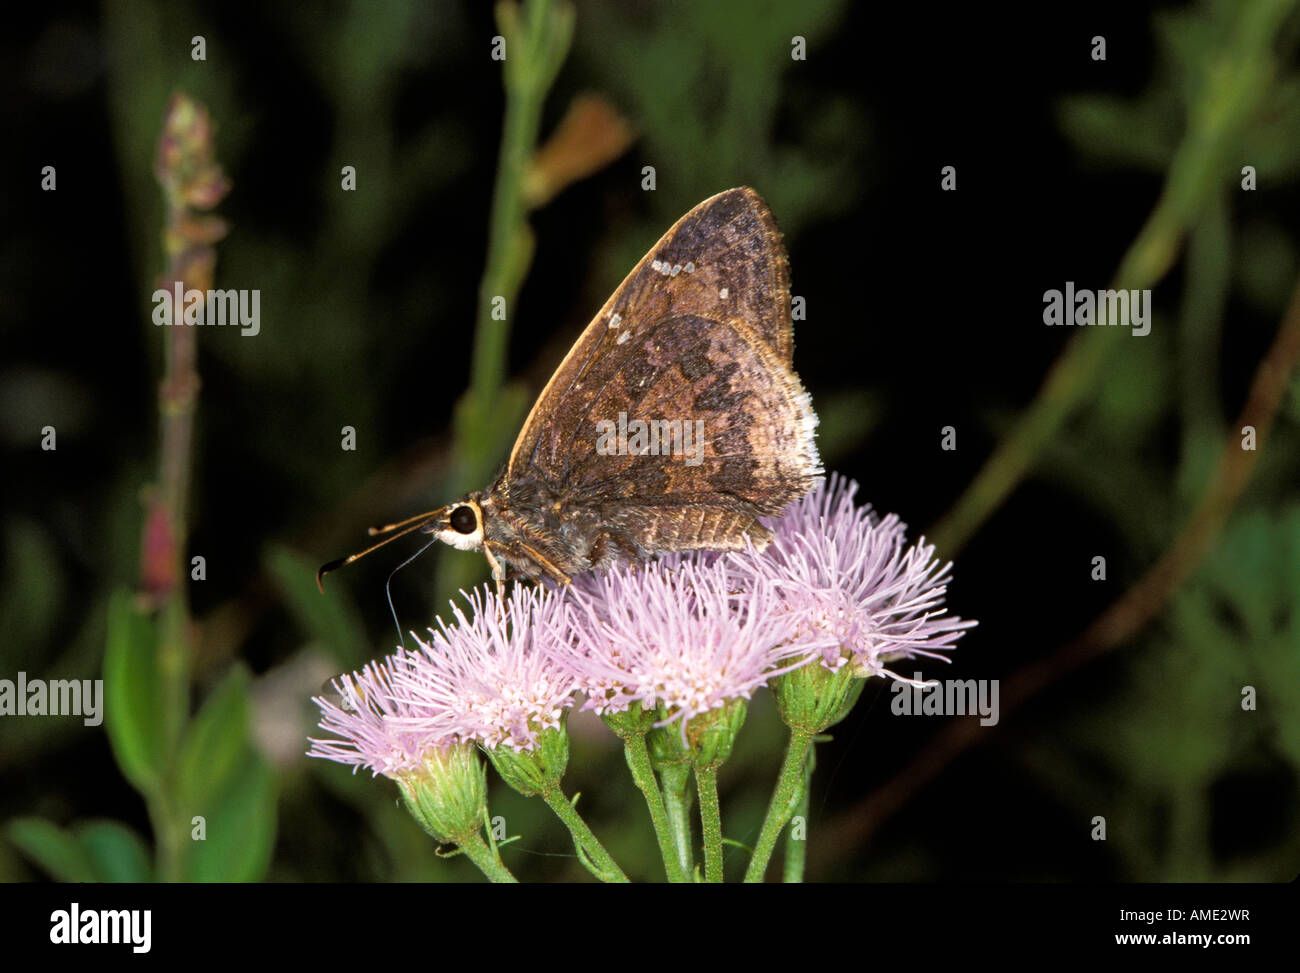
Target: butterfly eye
{"x":463,"y":520}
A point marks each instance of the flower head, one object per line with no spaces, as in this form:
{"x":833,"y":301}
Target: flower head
{"x":366,"y":735}
{"x":673,"y":634}
{"x":492,"y":676}
{"x":840,"y":570}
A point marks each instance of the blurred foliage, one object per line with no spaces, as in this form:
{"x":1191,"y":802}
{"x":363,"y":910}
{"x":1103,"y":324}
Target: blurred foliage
{"x":1156,"y":748}
{"x":366,"y":312}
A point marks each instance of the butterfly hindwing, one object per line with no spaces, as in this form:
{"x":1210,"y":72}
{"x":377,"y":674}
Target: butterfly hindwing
{"x":701,"y":430}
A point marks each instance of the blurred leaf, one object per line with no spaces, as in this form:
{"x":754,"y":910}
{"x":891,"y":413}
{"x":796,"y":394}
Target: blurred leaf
{"x":1273,"y":145}
{"x":240,"y":829}
{"x":1253,"y":586}
{"x":1199,"y":338}
{"x":703,"y":83}
{"x":1176,"y":725}
{"x":132,"y":694}
{"x":1141,"y":134}
{"x":33,"y":588}
{"x":53,"y":849}
{"x":1137,"y":391}
{"x":331,"y":619}
{"x":1266,"y":265}
{"x":215,"y":742}
{"x":116,"y":853}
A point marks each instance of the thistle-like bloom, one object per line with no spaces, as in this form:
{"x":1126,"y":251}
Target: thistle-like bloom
{"x":493,"y":676}
{"x":839,"y":570}
{"x":366,"y":735}
{"x":673,"y":634}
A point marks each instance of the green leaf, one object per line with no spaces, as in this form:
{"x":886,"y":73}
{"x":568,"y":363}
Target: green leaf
{"x":331,"y":619}
{"x":215,"y":743}
{"x":240,"y":829}
{"x":116,"y":853}
{"x":132,"y":691}
{"x":33,"y":589}
{"x":53,"y":849}
{"x":1142,"y":134}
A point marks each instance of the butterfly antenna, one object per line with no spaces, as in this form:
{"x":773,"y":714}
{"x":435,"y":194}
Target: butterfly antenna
{"x":388,"y":587}
{"x":409,"y":525}
{"x":422,"y":518}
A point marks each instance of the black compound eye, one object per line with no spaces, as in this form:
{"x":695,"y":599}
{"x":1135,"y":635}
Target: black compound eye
{"x":463,"y":520}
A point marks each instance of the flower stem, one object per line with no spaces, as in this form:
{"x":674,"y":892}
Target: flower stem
{"x":796,"y":849}
{"x":487,"y":859}
{"x":677,"y":801}
{"x":706,"y":782}
{"x":784,"y":801}
{"x":638,"y":761}
{"x":537,"y":37}
{"x":590,"y":851}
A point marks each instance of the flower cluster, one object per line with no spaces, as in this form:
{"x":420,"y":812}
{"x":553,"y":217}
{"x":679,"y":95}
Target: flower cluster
{"x":844,"y":572}
{"x":681,"y":637}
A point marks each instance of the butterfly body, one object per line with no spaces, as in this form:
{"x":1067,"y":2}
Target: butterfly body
{"x":674,"y":422}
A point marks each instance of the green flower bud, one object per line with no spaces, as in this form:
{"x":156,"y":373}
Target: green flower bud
{"x":633,"y":721}
{"x":536,"y":771}
{"x":812,"y":698}
{"x":448,"y":794}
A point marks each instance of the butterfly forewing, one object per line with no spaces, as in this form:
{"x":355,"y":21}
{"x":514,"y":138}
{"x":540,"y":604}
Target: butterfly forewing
{"x":737,"y":268}
{"x":695,"y":343}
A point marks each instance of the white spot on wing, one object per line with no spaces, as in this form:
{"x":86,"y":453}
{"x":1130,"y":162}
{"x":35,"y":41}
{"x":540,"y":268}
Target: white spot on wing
{"x":615,"y":320}
{"x":723,"y":293}
{"x":623,"y":336}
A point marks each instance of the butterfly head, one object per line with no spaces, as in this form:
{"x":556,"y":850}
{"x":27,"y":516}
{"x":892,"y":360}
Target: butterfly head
{"x":459,"y":524}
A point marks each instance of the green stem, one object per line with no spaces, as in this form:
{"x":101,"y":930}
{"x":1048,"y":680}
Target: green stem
{"x":784,"y":801}
{"x":706,"y":782}
{"x":537,"y":41}
{"x":487,"y":859}
{"x":677,"y":801}
{"x":643,"y":775}
{"x":1242,"y":70}
{"x":588,"y":846}
{"x":796,"y":849}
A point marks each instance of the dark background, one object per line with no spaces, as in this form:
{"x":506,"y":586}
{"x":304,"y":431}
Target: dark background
{"x":924,"y":310}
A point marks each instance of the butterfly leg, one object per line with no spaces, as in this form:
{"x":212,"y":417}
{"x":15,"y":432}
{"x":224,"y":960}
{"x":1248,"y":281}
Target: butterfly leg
{"x":498,"y":569}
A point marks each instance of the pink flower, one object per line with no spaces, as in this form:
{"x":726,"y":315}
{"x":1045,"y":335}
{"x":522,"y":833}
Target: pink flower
{"x":674,"y":634}
{"x":841,"y":571}
{"x":366,"y":735}
{"x":492,"y":676}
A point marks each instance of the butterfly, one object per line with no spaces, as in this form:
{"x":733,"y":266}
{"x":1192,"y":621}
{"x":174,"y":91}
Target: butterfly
{"x":674,"y":423}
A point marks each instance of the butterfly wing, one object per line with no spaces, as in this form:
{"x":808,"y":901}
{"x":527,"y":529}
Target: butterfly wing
{"x":737,"y":268}
{"x":696,"y":343}
{"x":701,"y":430}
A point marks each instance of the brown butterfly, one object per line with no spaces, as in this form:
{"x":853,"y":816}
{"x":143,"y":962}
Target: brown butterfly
{"x":673,"y":423}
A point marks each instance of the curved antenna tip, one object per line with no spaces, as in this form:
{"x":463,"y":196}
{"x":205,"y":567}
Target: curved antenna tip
{"x":325,"y":569}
